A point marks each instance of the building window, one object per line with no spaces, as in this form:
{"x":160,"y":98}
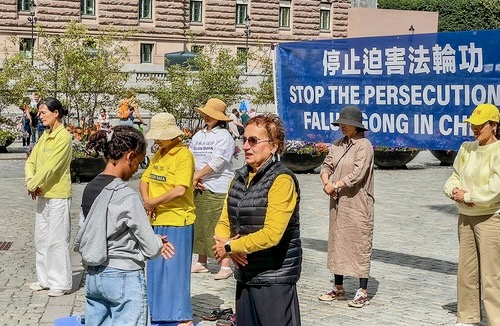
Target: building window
{"x":197,"y":49}
{"x":364,"y":3}
{"x":145,"y":9}
{"x":285,"y":14}
{"x":196,"y":11}
{"x":324,"y":17}
{"x":23,"y":5}
{"x":87,"y":7}
{"x":241,"y":13}
{"x":26,"y":46}
{"x":146,"y":51}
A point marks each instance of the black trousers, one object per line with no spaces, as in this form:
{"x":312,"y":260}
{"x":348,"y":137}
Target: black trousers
{"x":272,"y":305}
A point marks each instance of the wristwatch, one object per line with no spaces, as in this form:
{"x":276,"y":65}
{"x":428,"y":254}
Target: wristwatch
{"x":227,"y":247}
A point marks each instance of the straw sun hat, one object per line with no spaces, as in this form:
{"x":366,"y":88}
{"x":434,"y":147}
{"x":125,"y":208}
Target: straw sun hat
{"x":163,"y":127}
{"x":215,"y":109}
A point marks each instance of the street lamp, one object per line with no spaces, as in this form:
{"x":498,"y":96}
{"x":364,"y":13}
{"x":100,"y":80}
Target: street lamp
{"x":32,"y":20}
{"x":247,"y":34}
{"x":411,"y":29}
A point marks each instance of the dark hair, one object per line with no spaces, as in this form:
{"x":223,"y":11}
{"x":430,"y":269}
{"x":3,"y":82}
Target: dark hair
{"x":53,"y":105}
{"x":26,"y":101}
{"x":123,"y":139}
{"x":274,"y":127}
{"x":497,"y":132}
{"x":222,"y":124}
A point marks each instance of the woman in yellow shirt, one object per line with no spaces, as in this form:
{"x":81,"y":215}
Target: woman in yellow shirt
{"x":475,"y":188}
{"x":259,"y":229}
{"x":48,"y":179}
{"x":167,"y":191}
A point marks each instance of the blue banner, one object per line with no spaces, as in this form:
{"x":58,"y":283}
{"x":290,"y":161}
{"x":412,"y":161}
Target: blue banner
{"x":414,"y":90}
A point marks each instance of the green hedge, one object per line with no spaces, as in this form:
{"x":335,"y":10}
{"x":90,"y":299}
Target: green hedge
{"x":454,"y":15}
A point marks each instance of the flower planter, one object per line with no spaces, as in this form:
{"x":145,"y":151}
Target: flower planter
{"x":446,"y":157}
{"x":86,"y":168}
{"x":3,"y":147}
{"x":394,"y":159}
{"x":302,"y":162}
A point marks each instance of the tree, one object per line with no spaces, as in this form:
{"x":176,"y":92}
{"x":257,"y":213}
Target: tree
{"x":454,"y":15}
{"x":214,"y":72}
{"x":15,"y":79}
{"x":82,"y":69}
{"x":264,"y":92}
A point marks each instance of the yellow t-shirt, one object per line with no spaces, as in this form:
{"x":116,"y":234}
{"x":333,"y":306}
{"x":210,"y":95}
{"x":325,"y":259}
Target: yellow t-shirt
{"x":282,"y":198}
{"x":175,"y":168}
{"x":48,"y":166}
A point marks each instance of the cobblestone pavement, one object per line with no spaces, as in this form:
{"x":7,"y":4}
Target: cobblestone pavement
{"x":413,"y":265}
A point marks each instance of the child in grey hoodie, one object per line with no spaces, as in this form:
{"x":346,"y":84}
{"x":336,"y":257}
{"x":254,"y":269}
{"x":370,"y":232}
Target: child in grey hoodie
{"x":115,"y":237}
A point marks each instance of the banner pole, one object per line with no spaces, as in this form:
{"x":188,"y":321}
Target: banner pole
{"x":273,"y":55}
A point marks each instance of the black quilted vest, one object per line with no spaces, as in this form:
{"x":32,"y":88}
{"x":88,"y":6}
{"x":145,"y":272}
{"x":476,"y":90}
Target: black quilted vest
{"x":247,"y":208}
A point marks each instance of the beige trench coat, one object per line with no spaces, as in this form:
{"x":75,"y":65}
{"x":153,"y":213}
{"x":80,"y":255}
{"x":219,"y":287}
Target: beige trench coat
{"x":351,"y":218}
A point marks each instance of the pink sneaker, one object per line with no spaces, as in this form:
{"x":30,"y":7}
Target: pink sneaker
{"x":333,"y":294}
{"x":360,"y":299}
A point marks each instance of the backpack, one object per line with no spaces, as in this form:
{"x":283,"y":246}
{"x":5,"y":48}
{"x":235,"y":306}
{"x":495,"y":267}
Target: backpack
{"x":124,"y":110}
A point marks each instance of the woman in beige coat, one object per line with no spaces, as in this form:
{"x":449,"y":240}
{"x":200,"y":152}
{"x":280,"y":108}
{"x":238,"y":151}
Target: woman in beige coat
{"x":347,"y":175}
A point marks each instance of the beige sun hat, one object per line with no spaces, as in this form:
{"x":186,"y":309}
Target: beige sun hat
{"x":215,"y":109}
{"x":163,"y":127}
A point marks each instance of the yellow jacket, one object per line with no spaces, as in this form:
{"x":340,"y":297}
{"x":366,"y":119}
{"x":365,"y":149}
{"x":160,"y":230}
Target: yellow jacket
{"x":175,"y":168}
{"x":282,"y":198}
{"x":48,"y":165}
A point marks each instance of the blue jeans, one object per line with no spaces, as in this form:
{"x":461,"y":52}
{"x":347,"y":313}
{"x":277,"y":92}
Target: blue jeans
{"x":115,"y":297}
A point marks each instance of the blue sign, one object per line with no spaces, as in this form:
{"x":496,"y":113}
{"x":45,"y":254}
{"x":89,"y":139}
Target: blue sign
{"x":414,"y":90}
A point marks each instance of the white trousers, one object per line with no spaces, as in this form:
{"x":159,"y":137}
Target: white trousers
{"x":52,"y":234}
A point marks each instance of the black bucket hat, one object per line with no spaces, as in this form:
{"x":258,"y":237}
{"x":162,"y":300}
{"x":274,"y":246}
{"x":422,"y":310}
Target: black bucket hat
{"x":352,"y":116}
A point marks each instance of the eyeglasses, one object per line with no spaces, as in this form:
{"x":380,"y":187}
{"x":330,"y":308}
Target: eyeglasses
{"x":253,"y":140}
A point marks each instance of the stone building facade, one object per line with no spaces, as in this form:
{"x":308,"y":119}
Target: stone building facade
{"x":164,"y":26}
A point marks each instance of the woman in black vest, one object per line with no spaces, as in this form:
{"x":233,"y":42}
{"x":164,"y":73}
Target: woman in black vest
{"x":259,"y":229}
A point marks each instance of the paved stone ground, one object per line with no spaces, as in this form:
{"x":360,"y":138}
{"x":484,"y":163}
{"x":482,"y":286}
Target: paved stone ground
{"x":413,"y":265}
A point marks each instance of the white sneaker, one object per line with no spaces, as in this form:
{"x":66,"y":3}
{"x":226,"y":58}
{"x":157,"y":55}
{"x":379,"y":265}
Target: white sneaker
{"x":37,"y":287}
{"x":56,"y":293}
{"x":465,"y":324}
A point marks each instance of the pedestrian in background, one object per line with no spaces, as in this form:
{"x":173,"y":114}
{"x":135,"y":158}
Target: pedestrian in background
{"x":103,"y":121}
{"x":167,"y":192}
{"x":213,"y":148}
{"x":260,"y":229}
{"x":347,"y":176}
{"x":128,"y":110}
{"x":235,"y":126}
{"x":115,"y":237}
{"x":475,"y":188}
{"x":26,"y":120}
{"x":37,"y":127}
{"x":48,"y":180}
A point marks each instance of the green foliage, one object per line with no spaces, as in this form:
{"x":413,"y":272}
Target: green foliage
{"x":16,"y":78}
{"x":217,"y":74}
{"x":82,"y":70}
{"x":264,"y":92}
{"x":454,"y":15}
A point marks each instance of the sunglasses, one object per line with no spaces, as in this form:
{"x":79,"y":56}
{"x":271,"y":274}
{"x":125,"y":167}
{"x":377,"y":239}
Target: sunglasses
{"x":253,"y":140}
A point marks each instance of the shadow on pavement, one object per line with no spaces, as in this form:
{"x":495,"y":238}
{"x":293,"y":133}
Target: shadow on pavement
{"x":395,"y":258}
{"x":204,"y":304}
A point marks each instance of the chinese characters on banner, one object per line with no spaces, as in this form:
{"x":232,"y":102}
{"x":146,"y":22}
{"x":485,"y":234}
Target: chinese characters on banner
{"x":415,"y":90}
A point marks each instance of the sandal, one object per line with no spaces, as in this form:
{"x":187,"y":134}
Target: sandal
{"x":333,"y":294}
{"x":360,"y":299}
{"x":229,"y":321}
{"x":218,"y":314}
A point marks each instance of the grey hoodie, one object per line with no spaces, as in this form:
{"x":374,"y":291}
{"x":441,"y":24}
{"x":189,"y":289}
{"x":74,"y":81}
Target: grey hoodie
{"x":116,"y":232}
